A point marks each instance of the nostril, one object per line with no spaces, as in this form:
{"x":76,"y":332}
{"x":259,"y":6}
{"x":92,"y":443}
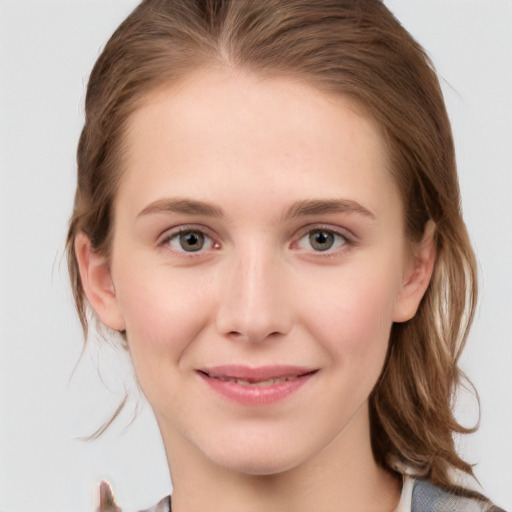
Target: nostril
{"x":237,"y":334}
{"x":252,"y":336}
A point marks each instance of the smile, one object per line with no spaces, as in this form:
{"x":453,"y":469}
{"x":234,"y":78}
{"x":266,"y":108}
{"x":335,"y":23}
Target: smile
{"x":261,"y":383}
{"x":256,"y":386}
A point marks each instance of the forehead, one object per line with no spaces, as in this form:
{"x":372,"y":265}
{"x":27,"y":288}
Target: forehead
{"x":250,"y":135}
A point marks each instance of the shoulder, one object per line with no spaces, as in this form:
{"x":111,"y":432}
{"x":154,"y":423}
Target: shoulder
{"x":426,"y":497}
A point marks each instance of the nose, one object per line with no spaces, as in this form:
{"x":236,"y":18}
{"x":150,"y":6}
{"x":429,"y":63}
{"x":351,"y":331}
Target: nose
{"x":253,"y":303}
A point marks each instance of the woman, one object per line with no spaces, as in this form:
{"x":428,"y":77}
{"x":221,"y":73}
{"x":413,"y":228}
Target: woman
{"x":267,"y":212}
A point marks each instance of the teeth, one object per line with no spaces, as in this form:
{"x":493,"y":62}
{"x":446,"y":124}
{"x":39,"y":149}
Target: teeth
{"x":261,"y":383}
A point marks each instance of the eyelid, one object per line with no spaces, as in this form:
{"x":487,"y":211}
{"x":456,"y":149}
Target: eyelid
{"x":314,"y":226}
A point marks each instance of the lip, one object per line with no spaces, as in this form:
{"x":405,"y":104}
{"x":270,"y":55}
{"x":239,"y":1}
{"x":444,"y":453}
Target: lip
{"x":256,"y":386}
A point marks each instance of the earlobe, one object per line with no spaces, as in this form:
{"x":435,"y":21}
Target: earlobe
{"x":97,"y":283}
{"x":418,"y":277}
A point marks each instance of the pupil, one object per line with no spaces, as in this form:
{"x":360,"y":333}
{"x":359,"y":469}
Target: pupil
{"x":191,"y":241}
{"x":321,"y":240}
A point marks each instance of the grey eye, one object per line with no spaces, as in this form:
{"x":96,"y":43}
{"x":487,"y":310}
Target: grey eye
{"x":190,"y":241}
{"x":322,"y":240}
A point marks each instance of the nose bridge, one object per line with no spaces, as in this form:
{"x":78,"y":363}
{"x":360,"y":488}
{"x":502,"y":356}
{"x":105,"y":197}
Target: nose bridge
{"x":252,"y":303}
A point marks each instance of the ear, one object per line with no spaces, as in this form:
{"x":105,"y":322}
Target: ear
{"x":97,"y":283}
{"x":417,"y":276}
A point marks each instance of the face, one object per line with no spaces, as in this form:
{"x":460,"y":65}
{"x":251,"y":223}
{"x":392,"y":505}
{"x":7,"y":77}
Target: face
{"x":258,"y":263}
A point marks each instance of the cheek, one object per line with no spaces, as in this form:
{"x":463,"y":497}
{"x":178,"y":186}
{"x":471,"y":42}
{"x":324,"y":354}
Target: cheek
{"x":353,"y":315}
{"x":163,"y":315}
{"x":163,"y":312}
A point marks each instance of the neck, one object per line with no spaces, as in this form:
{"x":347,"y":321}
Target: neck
{"x":342,"y":477}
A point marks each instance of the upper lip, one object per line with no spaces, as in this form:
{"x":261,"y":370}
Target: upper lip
{"x":256,"y":374}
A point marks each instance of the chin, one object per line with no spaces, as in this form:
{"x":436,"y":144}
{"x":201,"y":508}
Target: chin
{"x":257,"y":461}
{"x":259,"y":467}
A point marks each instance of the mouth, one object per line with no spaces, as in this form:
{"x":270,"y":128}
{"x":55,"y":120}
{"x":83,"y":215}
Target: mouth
{"x":260,"y":383}
{"x":256,"y":386}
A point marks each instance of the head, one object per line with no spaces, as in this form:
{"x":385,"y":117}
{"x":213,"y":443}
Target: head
{"x":352,"y":50}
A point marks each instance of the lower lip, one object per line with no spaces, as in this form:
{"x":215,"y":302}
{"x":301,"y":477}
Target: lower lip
{"x":254,"y":394}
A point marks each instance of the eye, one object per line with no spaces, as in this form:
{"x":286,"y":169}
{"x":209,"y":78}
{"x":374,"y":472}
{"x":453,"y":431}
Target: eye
{"x":321,"y":240}
{"x":190,"y":240}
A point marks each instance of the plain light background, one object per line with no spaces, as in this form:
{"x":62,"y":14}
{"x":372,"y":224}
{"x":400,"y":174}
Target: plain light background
{"x":47,"y":49}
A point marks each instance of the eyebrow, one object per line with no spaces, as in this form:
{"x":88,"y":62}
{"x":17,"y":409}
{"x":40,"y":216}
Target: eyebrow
{"x":296,"y":210}
{"x":323,"y":206}
{"x":182,"y":205}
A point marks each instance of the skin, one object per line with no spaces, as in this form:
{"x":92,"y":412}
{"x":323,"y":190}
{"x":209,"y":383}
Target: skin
{"x":258,"y":292}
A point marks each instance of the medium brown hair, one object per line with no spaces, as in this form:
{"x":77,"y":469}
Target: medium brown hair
{"x":354,"y":48}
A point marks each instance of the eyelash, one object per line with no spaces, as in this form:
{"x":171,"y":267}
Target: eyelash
{"x":342,"y":239}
